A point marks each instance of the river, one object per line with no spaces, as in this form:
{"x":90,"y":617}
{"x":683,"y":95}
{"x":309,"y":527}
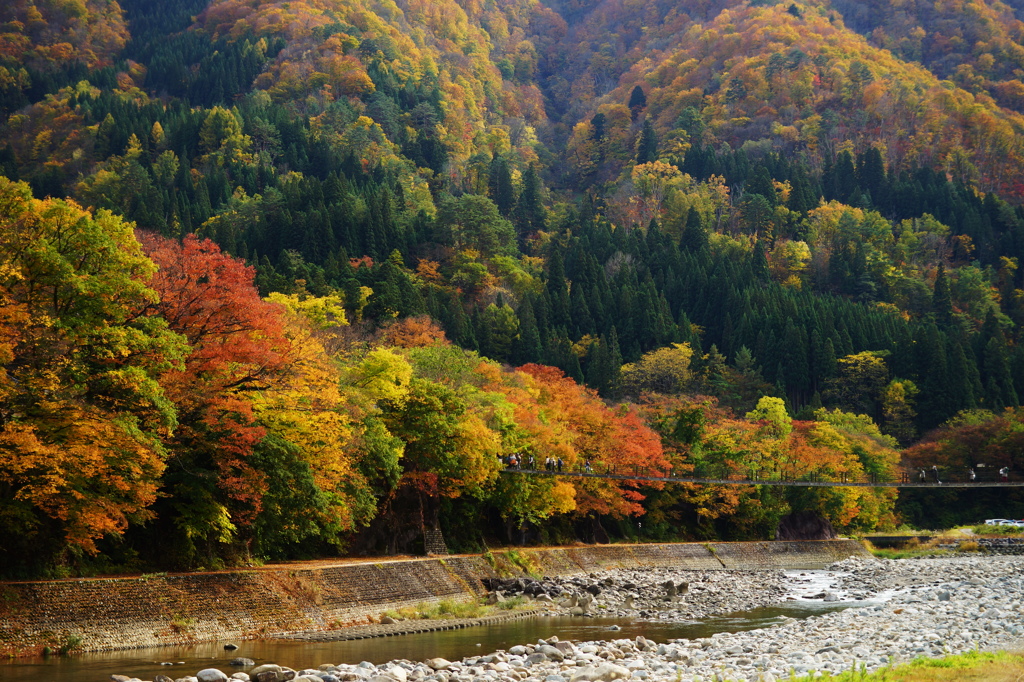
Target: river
{"x":450,"y":644}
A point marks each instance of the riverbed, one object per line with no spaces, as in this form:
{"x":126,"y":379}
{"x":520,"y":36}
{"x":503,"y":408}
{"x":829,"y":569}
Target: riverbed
{"x":877,"y":612}
{"x":449,"y":644}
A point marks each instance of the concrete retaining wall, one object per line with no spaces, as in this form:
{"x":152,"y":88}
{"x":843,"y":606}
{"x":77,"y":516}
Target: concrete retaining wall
{"x":118,"y":613}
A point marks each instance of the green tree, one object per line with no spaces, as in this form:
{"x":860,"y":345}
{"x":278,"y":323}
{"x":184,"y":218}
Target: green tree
{"x":858,"y":388}
{"x":222,"y":132}
{"x":449,"y":451}
{"x":942,"y":301}
{"x":499,"y":186}
{"x":757,"y":214}
{"x":647,"y":145}
{"x":771,"y":412}
{"x":604,"y":365}
{"x":473,"y":221}
{"x":637,"y":101}
{"x":531,"y":215}
{"x":499,"y":331}
{"x":695,"y":235}
{"x":760,"y":182}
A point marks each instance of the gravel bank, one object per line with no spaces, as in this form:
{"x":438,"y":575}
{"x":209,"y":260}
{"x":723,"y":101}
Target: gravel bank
{"x":661,"y":594}
{"x":920,"y":607}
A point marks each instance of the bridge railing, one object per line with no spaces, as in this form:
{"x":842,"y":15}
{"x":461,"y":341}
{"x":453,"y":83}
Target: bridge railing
{"x":719,"y":472}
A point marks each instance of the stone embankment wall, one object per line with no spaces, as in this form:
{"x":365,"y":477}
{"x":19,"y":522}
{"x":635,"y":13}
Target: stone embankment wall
{"x":1008,"y":546}
{"x":120,"y":613}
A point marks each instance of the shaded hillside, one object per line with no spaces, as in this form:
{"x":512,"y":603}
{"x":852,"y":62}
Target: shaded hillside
{"x":792,"y":78}
{"x":978,"y":45}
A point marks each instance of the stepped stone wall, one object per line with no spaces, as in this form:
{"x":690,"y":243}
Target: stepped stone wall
{"x":118,"y":613}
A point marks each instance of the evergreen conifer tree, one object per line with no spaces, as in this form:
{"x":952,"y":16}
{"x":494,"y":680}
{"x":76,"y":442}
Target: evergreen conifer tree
{"x":637,"y":101}
{"x":942,"y":301}
{"x":647,"y":146}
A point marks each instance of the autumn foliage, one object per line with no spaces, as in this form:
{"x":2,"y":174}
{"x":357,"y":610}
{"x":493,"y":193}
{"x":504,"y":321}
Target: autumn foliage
{"x":50,"y":34}
{"x":201,"y":398}
{"x":323,"y":265}
{"x":84,"y":414}
{"x":705,"y":441}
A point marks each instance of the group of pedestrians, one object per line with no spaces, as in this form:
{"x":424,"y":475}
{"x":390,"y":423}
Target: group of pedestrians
{"x":518,"y":461}
{"x":553,"y":463}
{"x":924,"y":475}
{"x":1004,"y":474}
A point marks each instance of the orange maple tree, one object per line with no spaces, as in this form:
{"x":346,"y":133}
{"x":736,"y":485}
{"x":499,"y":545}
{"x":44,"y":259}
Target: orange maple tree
{"x":609,"y":439}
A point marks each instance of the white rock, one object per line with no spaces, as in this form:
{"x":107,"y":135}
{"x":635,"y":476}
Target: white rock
{"x":602,"y":673}
{"x":438,"y":663}
{"x":211,"y":675}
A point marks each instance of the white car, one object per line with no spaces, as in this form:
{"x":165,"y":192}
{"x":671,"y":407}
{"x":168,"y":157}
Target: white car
{"x":999,"y":522}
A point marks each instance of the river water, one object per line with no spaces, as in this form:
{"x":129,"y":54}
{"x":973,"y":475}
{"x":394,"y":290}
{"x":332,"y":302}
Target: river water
{"x":451,"y":644}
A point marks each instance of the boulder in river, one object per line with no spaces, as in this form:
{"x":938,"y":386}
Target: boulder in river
{"x":601,"y":673}
{"x":397,"y":672}
{"x":211,"y":675}
{"x":551,"y":652}
{"x":438,"y":663}
{"x":273,"y":667}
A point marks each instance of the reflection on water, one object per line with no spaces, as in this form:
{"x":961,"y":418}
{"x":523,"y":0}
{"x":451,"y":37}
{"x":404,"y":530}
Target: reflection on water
{"x":450,"y":644}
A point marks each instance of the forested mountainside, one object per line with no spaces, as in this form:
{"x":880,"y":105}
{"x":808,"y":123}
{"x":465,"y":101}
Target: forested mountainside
{"x":285,"y":279}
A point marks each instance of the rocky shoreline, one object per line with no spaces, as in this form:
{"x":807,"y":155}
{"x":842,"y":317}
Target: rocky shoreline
{"x":662,"y":594}
{"x":899,"y":610}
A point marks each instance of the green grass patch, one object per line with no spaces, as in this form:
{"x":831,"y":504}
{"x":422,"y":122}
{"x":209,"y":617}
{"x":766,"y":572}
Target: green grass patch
{"x":973,"y":666}
{"x":70,"y":644}
{"x":446,"y":608}
{"x":450,"y":608}
{"x":512,"y":603}
{"x":180,"y":623}
{"x":525,"y":563}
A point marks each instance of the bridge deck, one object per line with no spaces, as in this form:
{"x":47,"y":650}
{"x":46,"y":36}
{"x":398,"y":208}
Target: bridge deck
{"x":638,"y":476}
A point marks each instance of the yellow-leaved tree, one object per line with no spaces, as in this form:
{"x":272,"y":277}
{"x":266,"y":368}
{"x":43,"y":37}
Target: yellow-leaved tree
{"x":82,"y":414}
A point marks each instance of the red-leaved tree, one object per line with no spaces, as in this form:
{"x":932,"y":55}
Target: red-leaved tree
{"x":238,"y":348}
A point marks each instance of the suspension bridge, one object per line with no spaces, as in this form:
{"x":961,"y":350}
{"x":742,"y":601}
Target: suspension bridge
{"x":905,"y":479}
